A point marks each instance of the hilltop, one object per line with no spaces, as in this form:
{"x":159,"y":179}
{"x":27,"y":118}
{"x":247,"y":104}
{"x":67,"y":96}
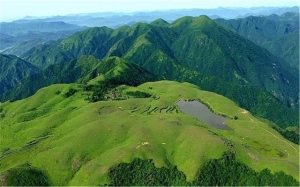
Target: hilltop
{"x":82,"y":140}
{"x":81,"y":71}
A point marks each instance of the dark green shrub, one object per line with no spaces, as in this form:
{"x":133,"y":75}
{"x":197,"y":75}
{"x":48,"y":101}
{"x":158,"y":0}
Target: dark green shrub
{"x":27,"y":176}
{"x":139,"y":94}
{"x":70,"y":92}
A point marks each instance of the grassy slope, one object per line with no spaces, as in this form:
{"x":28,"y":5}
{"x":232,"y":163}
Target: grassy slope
{"x":83,"y":140}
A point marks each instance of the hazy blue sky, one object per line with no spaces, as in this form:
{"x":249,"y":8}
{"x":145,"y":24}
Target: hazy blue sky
{"x":14,"y":9}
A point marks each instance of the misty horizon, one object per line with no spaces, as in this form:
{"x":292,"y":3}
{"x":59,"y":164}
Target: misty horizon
{"x":15,"y":9}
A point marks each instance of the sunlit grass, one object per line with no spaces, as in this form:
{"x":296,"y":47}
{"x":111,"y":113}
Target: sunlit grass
{"x":83,"y":140}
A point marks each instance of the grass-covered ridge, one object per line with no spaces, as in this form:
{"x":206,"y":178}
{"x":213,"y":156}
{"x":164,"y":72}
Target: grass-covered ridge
{"x":76,"y":142}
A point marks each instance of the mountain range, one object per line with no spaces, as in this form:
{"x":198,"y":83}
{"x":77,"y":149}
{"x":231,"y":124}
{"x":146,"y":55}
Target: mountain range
{"x":277,"y":33}
{"x":101,"y":102}
{"x":18,"y":37}
{"x":115,"y":20}
{"x":39,"y":31}
{"x":213,"y":57}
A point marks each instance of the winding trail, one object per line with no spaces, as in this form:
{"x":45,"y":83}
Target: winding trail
{"x":256,"y":125}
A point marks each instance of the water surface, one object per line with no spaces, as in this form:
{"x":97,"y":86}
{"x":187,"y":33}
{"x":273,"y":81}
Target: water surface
{"x":202,"y":113}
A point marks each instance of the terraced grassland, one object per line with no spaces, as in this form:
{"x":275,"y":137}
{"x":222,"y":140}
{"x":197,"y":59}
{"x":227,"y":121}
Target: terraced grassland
{"x":76,"y":142}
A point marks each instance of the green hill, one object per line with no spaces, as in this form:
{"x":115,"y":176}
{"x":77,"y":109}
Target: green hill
{"x":81,"y":43}
{"x":72,"y":141}
{"x":81,"y":70}
{"x":159,"y":22}
{"x":196,"y":50}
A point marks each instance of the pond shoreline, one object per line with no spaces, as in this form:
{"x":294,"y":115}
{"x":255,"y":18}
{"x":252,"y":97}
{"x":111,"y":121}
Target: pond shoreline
{"x":203,"y":113}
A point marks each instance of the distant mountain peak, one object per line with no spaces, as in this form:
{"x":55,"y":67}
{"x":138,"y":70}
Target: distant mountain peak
{"x":159,"y":22}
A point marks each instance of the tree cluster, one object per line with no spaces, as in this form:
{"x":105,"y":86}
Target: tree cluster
{"x":226,"y":171}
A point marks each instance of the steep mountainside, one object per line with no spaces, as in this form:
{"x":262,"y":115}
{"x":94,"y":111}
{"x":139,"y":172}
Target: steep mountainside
{"x":6,"y":40}
{"x":88,"y":42}
{"x":17,"y":45}
{"x":187,"y":48}
{"x":81,"y":70}
{"x":194,"y":43}
{"x":267,"y":30}
{"x":13,"y":70}
{"x":287,"y":47}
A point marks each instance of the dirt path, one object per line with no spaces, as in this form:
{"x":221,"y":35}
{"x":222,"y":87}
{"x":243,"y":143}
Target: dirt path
{"x":256,"y":125}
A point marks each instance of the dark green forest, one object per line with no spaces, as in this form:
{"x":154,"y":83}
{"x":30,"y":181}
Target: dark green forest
{"x":226,"y":171}
{"x":26,"y":176}
{"x":82,"y":70}
{"x":13,"y":70}
{"x":277,"y":33}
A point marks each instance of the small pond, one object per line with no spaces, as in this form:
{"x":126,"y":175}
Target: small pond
{"x":202,"y":113}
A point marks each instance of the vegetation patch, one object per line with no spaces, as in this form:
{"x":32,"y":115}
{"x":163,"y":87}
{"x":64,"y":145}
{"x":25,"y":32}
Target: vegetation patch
{"x":144,"y":173}
{"x":291,"y":134}
{"x":225,"y":171}
{"x":25,"y":176}
{"x":70,"y":92}
{"x":138,"y":94}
